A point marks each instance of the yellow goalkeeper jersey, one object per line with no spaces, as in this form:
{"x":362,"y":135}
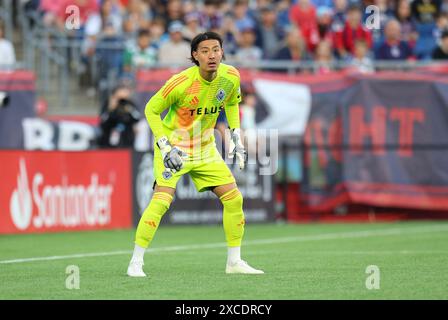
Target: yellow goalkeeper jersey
{"x":194,"y":106}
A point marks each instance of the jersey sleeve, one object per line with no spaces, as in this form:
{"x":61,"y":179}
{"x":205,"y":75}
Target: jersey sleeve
{"x":232,"y":105}
{"x":166,"y":97}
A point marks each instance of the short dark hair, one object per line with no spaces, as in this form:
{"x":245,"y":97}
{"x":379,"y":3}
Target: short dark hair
{"x":444,"y":34}
{"x":209,"y":35}
{"x":143,"y":33}
{"x":354,"y":7}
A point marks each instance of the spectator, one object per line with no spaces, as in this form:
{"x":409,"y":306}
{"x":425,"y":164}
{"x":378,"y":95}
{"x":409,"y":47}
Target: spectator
{"x":118,"y":116}
{"x":385,"y":14}
{"x":104,"y":24}
{"x":295,"y":47}
{"x":7,"y":53}
{"x":157,"y":31}
{"x":141,"y":54}
{"x":444,"y":7}
{"x":353,"y":30}
{"x":441,"y":52}
{"x":189,"y":6}
{"x":192,"y":27}
{"x":174,"y":11}
{"x":323,"y":58}
{"x":176,"y":50}
{"x":339,"y":15}
{"x":393,"y":48}
{"x":425,"y":11}
{"x":137,"y":16}
{"x":322,"y":3}
{"x":229,"y":34}
{"x":104,"y":31}
{"x":303,"y":15}
{"x":50,"y":10}
{"x":241,"y":15}
{"x":269,"y":34}
{"x":324,"y":16}
{"x":361,"y":61}
{"x":408,"y":27}
{"x":283,"y":13}
{"x":247,"y":51}
{"x":441,"y":26}
{"x":211,"y":17}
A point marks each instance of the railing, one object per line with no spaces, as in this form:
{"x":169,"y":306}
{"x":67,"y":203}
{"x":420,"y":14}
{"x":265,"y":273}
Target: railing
{"x":6,"y":17}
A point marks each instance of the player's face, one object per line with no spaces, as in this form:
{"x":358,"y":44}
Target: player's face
{"x":209,"y":55}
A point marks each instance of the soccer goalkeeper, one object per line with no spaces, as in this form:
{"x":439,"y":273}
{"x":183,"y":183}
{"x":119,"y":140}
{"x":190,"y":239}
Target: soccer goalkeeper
{"x":185,"y":143}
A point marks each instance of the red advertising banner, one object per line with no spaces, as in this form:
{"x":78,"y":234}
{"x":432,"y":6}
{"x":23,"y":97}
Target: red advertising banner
{"x":42,"y":191}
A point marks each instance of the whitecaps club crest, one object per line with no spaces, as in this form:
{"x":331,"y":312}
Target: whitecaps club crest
{"x":221,"y":95}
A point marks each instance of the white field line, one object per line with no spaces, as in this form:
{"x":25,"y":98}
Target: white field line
{"x":318,"y":237}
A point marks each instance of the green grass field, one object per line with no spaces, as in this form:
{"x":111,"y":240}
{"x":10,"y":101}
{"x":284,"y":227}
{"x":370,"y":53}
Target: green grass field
{"x":314,"y":261}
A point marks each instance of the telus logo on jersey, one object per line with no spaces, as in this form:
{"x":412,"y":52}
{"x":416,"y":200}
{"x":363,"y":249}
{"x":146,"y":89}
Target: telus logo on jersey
{"x":60,"y":204}
{"x":206,"y":110}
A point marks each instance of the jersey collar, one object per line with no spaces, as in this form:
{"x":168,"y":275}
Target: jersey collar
{"x":207,"y":83}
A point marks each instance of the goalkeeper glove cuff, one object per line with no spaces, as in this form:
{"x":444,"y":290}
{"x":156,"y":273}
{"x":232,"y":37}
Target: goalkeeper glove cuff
{"x":237,"y":147}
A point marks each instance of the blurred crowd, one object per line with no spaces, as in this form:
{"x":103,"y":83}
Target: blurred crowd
{"x":324,"y":31}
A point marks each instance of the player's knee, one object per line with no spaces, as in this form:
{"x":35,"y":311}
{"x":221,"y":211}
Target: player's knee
{"x":232,"y":199}
{"x":163,"y":199}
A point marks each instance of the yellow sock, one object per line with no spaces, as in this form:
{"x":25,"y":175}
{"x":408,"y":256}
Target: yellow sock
{"x":233,"y":217}
{"x":149,"y":222}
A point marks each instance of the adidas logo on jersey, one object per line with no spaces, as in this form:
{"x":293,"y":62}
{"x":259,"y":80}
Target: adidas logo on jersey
{"x":194,"y":101}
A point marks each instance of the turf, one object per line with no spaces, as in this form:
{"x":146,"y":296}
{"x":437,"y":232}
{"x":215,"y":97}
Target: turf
{"x":313,"y":261}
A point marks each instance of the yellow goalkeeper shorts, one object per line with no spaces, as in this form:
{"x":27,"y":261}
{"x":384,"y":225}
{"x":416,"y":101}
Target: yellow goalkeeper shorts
{"x":206,"y":173}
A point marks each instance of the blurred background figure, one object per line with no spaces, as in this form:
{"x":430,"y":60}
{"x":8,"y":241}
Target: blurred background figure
{"x":324,"y":21}
{"x":7,"y":52}
{"x":211,"y":17}
{"x":361,"y":60}
{"x":408,"y":26}
{"x":176,"y":50}
{"x":425,"y":13}
{"x":137,"y":16}
{"x":118,"y":116}
{"x":247,"y":51}
{"x":230,"y":35}
{"x":269,"y":35}
{"x":174,"y":11}
{"x":140,"y":54}
{"x":294,"y":48}
{"x":323,"y":58}
{"x":303,"y":16}
{"x":352,"y":31}
{"x":102,"y":47}
{"x":192,"y":26}
{"x":393,"y":48}
{"x":441,"y":52}
{"x":242,"y":17}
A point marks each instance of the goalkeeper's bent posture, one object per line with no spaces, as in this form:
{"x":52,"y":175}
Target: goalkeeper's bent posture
{"x":185,"y":143}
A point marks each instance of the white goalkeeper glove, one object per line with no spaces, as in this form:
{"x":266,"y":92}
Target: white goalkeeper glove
{"x":236,"y":147}
{"x":172,"y":156}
